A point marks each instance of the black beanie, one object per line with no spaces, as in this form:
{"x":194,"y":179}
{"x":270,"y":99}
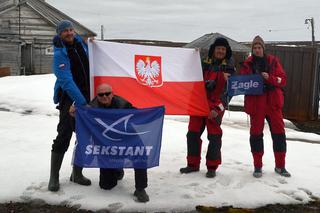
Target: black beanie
{"x":220,"y":41}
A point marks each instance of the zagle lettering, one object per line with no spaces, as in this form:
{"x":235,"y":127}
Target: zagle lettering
{"x":118,"y":150}
{"x":244,"y":85}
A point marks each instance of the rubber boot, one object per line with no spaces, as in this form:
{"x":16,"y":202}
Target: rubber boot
{"x":120,"y":174}
{"x":188,"y":169}
{"x":56,"y":161}
{"x":141,"y":195}
{"x":78,"y":178}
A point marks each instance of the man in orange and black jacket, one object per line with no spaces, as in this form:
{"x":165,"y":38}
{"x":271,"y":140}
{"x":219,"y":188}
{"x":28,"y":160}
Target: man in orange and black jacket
{"x":216,"y":69}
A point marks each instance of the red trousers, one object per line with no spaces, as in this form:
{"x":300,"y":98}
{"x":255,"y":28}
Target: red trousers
{"x":196,"y":127}
{"x":275,"y":120}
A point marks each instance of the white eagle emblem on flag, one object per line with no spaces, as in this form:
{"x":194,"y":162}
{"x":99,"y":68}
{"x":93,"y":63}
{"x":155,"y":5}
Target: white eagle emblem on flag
{"x":148,"y":70}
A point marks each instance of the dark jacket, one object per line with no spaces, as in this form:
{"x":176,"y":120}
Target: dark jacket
{"x":215,"y":83}
{"x":116,"y":103}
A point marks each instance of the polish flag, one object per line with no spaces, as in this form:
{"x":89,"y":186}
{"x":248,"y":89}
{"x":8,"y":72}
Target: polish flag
{"x":149,"y":76}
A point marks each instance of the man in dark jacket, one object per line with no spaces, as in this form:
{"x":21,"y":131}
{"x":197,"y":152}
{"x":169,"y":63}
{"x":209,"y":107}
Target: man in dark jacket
{"x":71,"y":67}
{"x":216,"y":70}
{"x":266,"y":106}
{"x":109,"y":177}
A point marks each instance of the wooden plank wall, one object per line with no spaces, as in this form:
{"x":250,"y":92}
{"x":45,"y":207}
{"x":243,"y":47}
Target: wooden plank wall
{"x":32,"y":25}
{"x":302,"y":91}
{"x":42,"y":63}
{"x":9,"y":56}
{"x":34,"y":30}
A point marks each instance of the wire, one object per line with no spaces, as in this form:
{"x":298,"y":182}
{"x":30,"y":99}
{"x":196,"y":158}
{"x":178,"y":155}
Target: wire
{"x":289,"y":29}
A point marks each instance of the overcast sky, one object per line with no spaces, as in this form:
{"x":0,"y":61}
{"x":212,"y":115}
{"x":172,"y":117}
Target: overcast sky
{"x":186,"y":20}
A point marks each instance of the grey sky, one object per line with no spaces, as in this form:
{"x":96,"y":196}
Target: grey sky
{"x":186,"y":20}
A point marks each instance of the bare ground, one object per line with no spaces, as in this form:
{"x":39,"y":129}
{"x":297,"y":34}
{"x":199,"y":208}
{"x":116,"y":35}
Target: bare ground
{"x":36,"y":207}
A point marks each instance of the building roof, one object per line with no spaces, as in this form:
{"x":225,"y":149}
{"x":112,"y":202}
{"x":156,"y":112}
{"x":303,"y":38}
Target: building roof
{"x":205,"y":41}
{"x":51,"y":15}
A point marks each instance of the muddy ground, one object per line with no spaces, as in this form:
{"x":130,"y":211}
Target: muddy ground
{"x":36,"y":207}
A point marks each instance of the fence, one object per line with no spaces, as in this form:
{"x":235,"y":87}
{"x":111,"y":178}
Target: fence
{"x":303,"y":78}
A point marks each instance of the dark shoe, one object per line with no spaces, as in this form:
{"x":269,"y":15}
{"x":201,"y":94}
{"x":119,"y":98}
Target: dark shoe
{"x":282,"y":171}
{"x":56,"y":161}
{"x":141,"y":195}
{"x":120,"y":174}
{"x":257,"y":173}
{"x":211,"y":173}
{"x":78,"y":178}
{"x":188,"y":169}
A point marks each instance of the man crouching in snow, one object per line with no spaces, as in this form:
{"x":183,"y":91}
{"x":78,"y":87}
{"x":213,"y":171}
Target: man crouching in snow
{"x":109,"y":177}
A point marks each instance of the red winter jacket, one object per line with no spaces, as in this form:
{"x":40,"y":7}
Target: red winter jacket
{"x":271,"y":99}
{"x":214,"y":73}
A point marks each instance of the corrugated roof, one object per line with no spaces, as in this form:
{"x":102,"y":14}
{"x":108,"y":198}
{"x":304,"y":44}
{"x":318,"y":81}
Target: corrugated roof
{"x":52,"y":15}
{"x":205,"y":41}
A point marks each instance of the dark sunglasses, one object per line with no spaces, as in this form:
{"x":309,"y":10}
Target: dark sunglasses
{"x":105,"y":93}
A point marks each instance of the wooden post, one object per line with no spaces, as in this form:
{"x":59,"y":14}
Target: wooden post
{"x":102,"y":33}
{"x":311,"y":20}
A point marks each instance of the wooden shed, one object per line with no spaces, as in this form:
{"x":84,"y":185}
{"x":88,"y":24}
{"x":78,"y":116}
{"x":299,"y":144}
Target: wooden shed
{"x":26,"y":31}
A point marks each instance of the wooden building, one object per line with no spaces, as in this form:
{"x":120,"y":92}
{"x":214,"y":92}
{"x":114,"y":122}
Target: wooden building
{"x":26,"y":31}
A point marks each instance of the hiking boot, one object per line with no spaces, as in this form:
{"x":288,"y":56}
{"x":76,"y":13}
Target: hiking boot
{"x":141,"y":195}
{"x":211,"y":173}
{"x":257,"y":173}
{"x":188,"y":169}
{"x":282,"y":171}
{"x":78,"y":177}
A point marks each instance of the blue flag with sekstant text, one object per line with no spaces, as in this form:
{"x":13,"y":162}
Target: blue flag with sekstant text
{"x":118,"y":138}
{"x":245,"y":85}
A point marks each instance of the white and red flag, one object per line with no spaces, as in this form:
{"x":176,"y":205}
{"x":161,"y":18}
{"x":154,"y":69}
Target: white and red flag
{"x":149,"y":76}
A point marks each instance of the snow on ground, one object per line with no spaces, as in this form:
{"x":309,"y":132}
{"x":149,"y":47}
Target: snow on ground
{"x":28,"y":93}
{"x":25,"y":141}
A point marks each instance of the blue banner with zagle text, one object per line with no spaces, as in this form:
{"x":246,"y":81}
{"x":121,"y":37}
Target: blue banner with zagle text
{"x":118,"y":138}
{"x":245,"y":85}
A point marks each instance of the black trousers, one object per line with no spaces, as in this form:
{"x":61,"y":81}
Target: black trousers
{"x":108,"y":178}
{"x":65,"y":126}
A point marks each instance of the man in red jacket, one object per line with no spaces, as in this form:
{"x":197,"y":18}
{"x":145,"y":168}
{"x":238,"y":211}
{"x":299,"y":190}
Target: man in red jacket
{"x":216,"y":70}
{"x":266,"y":106}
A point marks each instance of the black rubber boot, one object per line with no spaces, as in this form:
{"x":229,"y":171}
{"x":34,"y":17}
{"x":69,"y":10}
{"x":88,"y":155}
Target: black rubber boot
{"x":188,"y":169}
{"x":282,"y":171}
{"x":56,"y":161}
{"x":120,"y":174}
{"x":78,"y":178}
{"x":211,"y":173}
{"x":257,"y":173}
{"x":141,"y":195}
